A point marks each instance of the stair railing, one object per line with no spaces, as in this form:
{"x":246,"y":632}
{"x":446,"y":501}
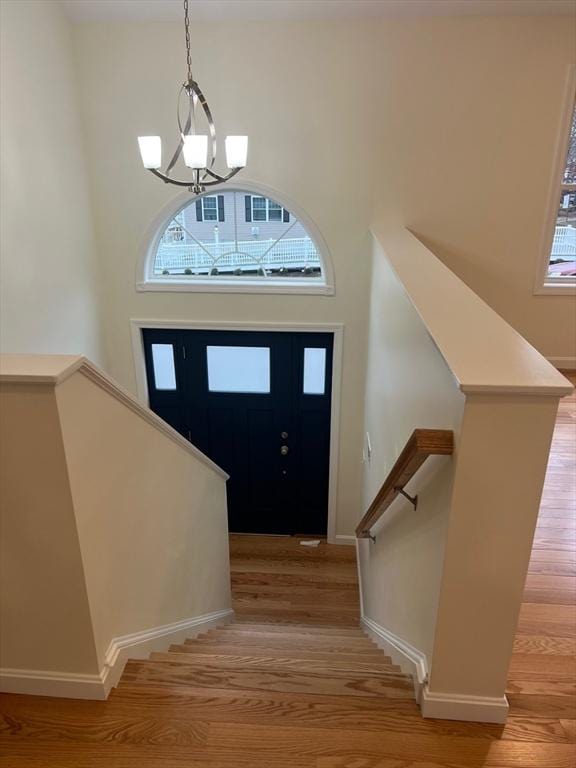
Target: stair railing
{"x":421,"y":444}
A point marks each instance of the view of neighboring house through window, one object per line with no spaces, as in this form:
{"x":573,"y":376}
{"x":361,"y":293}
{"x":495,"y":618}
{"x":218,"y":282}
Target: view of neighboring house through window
{"x":263,"y":209}
{"x":209,"y":208}
{"x":562,"y":266}
{"x":175,"y":231}
{"x":239,"y":236}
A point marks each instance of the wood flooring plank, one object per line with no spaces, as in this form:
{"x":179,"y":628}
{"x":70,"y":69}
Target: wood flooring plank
{"x":459,"y":752}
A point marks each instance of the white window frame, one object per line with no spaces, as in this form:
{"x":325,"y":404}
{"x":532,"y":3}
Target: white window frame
{"x":147,"y":281}
{"x":212,"y":210}
{"x":267,"y":209}
{"x":545,"y":284}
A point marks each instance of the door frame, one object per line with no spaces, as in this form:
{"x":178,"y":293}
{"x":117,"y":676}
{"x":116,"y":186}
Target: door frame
{"x":337,"y":329}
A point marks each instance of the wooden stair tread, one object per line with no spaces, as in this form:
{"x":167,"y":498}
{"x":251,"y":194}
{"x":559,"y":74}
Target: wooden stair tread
{"x":276,"y":662}
{"x":234,"y":649}
{"x":334,"y":683}
{"x":283,"y":644}
{"x":293,"y":637}
{"x":305,"y":629}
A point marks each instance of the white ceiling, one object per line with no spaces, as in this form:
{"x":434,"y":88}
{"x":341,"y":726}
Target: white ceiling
{"x":293,"y":10}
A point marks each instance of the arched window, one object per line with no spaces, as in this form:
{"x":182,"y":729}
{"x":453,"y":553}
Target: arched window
{"x":235,"y":239}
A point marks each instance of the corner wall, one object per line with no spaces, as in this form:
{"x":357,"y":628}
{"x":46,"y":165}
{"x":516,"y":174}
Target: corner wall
{"x":114,"y":530}
{"x":402,"y":570}
{"x":48,"y":271}
{"x":442,"y":584}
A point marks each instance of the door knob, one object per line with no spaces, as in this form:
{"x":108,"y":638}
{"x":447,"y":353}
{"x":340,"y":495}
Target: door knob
{"x":284,"y":450}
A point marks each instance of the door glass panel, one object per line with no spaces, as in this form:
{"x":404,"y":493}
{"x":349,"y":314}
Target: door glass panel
{"x":238,"y":369}
{"x":314,"y":371}
{"x":163,"y":362}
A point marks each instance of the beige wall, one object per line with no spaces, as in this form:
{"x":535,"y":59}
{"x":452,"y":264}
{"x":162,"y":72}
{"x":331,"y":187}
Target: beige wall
{"x":501,"y":464}
{"x":151,"y":520}
{"x":447,"y":123}
{"x":46,"y":623}
{"x":48,"y":296}
{"x":401,"y":571}
{"x":447,"y":578}
{"x":111,"y":526}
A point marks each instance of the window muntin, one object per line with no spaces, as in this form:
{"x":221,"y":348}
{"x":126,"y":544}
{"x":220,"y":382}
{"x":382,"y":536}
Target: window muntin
{"x":174,"y":232}
{"x":229,"y":247}
{"x":562,"y":263}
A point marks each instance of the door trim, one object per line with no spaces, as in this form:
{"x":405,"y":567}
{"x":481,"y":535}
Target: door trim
{"x":337,"y":329}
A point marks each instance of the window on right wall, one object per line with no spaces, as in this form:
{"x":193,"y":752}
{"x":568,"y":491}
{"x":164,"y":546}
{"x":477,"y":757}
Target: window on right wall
{"x":560,"y":266}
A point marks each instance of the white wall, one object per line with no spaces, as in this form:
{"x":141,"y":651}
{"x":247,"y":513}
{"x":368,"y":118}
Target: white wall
{"x":152,"y":521}
{"x":48,"y":293}
{"x":283,"y":139}
{"x":405,"y":116}
{"x":114,"y":530}
{"x":445,"y":581}
{"x":408,"y":386}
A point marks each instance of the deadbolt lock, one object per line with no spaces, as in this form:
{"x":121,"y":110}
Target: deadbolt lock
{"x":283,"y":435}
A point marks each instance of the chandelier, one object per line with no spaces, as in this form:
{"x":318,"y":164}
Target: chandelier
{"x":198,"y":150}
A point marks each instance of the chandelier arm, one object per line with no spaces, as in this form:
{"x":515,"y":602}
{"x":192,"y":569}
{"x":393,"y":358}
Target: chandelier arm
{"x":219,"y":179}
{"x":192,"y":86}
{"x":196,"y":187}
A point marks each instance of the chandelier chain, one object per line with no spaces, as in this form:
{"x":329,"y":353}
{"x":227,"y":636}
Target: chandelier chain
{"x":187,"y":31}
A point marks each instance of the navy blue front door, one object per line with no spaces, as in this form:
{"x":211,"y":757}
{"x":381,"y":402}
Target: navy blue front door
{"x":258,"y":404}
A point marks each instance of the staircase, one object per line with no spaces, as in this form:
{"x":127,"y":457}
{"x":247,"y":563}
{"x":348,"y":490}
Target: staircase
{"x":243,"y":659}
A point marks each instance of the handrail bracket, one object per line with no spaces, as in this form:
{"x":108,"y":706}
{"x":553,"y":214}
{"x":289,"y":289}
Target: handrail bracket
{"x":422,"y":443}
{"x":412,"y":499}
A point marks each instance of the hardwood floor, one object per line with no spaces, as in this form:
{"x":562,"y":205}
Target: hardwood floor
{"x":295,"y":683}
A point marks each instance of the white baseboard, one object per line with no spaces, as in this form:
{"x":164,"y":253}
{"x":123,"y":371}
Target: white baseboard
{"x":445,"y":706}
{"x":68,"y":685}
{"x":341,"y":539}
{"x":454,"y":706}
{"x":564,"y":363}
{"x":410,"y":660}
{"x":97,"y":686}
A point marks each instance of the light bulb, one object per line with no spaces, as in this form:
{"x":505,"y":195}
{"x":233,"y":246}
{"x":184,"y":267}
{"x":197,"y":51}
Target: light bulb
{"x":236,"y":151}
{"x":150,"y":151}
{"x":195,"y":151}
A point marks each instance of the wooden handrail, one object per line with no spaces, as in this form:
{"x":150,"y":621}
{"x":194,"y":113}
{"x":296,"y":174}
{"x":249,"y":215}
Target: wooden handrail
{"x":422,"y":443}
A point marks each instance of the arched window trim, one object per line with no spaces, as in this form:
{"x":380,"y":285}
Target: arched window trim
{"x":147,"y":281}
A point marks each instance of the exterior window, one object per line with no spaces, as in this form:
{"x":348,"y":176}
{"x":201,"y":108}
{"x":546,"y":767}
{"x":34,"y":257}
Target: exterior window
{"x":210,"y":208}
{"x":314,"y":380}
{"x":238,"y":369}
{"x":264,"y":209}
{"x":561,"y":264}
{"x":163,"y":364}
{"x":235,"y":238}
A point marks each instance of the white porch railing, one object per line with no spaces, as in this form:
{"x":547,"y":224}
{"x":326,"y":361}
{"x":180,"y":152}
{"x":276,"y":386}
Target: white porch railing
{"x":292,"y":253}
{"x":564,"y":243}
